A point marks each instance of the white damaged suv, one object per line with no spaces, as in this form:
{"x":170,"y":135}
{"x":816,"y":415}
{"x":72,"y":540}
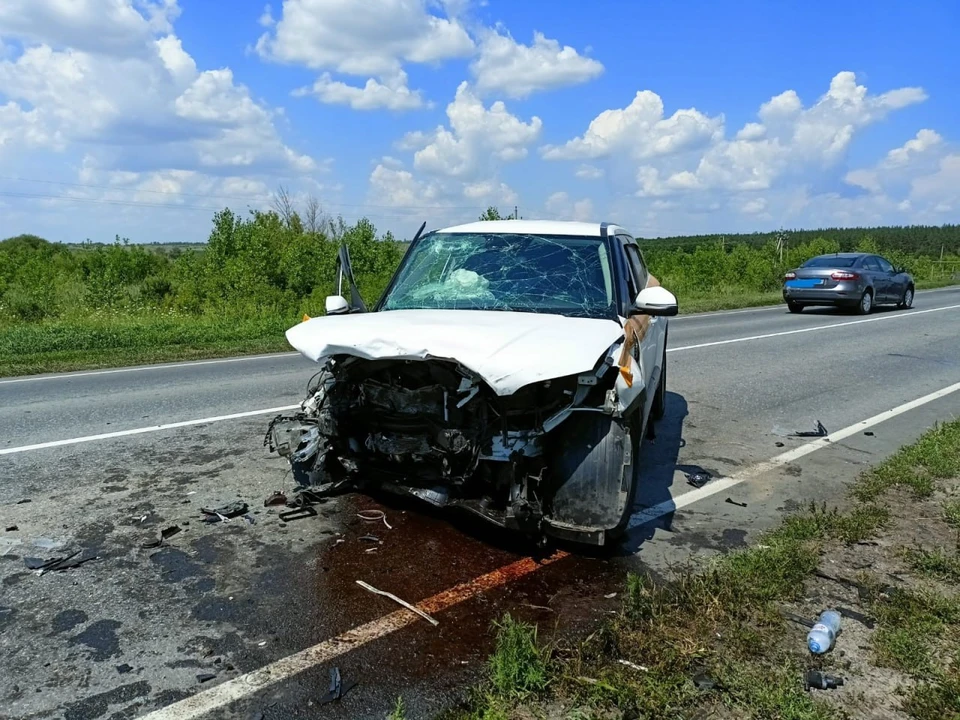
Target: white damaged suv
{"x":510,"y":369}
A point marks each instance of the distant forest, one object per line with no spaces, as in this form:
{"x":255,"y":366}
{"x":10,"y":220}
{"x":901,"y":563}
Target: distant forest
{"x":928,"y":240}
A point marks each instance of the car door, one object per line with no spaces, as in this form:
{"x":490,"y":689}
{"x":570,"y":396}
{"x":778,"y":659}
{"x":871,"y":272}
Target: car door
{"x":896,"y":283}
{"x":645,"y":334}
{"x":879,"y":283}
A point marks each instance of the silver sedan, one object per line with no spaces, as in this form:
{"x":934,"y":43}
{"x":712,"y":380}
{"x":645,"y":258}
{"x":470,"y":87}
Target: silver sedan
{"x":859,"y":281}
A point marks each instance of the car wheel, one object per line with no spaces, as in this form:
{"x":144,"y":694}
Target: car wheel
{"x":594,"y":474}
{"x":906,"y":301}
{"x":866,"y":303}
{"x":794,"y":307}
{"x":659,"y":408}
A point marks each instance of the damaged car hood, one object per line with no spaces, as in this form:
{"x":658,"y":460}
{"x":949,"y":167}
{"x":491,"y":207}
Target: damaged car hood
{"x":508,"y":350}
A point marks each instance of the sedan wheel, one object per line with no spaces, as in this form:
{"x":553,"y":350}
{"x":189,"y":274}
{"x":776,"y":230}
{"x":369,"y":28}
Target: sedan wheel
{"x":866,"y":303}
{"x":907,"y":300}
{"x":794,"y":307}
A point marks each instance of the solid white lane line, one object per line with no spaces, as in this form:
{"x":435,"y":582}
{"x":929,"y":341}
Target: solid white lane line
{"x":138,"y":368}
{"x":219,"y":696}
{"x":140,"y":431}
{"x":816,"y":328}
{"x":725,"y":483}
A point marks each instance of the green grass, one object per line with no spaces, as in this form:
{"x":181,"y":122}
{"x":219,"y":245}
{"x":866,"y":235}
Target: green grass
{"x":936,"y":563}
{"x":911,"y":625}
{"x":951,"y":512}
{"x":935,"y":699}
{"x":917,"y":467}
{"x":399,"y":711}
{"x":518,"y":666}
{"x":111,"y":341}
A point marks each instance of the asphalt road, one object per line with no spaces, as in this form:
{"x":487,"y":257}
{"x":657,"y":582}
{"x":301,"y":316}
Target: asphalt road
{"x":129,"y":633}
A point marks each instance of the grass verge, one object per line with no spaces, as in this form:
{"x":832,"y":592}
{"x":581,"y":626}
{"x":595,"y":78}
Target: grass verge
{"x":714,"y":642}
{"x":108,"y":340}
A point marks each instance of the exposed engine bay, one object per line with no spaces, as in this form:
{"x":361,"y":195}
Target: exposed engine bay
{"x":435,"y":430}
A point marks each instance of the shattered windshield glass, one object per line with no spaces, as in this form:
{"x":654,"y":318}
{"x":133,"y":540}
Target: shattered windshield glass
{"x":498,"y":271}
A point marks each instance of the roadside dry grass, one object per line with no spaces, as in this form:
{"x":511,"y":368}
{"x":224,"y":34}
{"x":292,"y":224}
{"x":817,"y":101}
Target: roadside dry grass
{"x":717,"y":642}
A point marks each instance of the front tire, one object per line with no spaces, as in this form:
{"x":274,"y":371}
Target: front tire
{"x":865,"y":307}
{"x":906,"y":302}
{"x":794,"y":307}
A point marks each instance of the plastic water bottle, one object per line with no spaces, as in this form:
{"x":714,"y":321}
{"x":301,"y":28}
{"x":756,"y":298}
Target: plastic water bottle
{"x":822,"y":635}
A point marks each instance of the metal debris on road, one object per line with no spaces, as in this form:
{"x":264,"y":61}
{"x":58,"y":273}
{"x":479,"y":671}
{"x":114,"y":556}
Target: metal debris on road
{"x":815,"y":679}
{"x":338,"y":688}
{"x":778,"y":443}
{"x":24,"y":501}
{"x":370,"y":550}
{"x":204,"y":677}
{"x":699,"y":479}
{"x":397,"y":600}
{"x":224,"y":513}
{"x":818,"y":431}
{"x":298,"y":514}
{"x":633,"y":665}
{"x":12,"y":528}
{"x":250,"y":519}
{"x":377,"y":515}
{"x":276,"y":498}
{"x":124,"y":669}
{"x":167,"y":532}
{"x":734,"y":502}
{"x":868,"y":433}
{"x":370,"y":538}
{"x":864,"y":620}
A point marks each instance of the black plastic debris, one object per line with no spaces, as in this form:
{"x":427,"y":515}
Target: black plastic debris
{"x":818,"y":680}
{"x":250,"y":519}
{"x":124,"y":669}
{"x":338,"y":688}
{"x":73,"y":560}
{"x":12,"y":528}
{"x":699,"y":479}
{"x":868,"y":433}
{"x":225,"y":512}
{"x":24,"y":501}
{"x":778,"y":443}
{"x":205,"y":677}
{"x":734,"y":502}
{"x":819,"y":431}
{"x":864,"y":620}
{"x":277,"y":498}
{"x":167,"y":532}
{"x":299,"y":513}
{"x":702,"y":681}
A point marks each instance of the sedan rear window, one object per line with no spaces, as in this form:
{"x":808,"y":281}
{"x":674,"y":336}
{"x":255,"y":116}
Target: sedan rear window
{"x":830,"y":261}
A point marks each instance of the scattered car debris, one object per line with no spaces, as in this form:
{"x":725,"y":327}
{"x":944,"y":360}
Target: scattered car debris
{"x":124,"y":669}
{"x":276,"y":498}
{"x":205,"y":677}
{"x":167,"y":532}
{"x":821,"y":680}
{"x":799,"y":619}
{"x":24,"y":501}
{"x":702,"y":681}
{"x":778,"y":443}
{"x":58,"y":563}
{"x":633,"y":665}
{"x":298,"y":514}
{"x":377,"y":515}
{"x":818,"y":431}
{"x":699,"y":479}
{"x":371,"y":550}
{"x":610,"y":596}
{"x":868,"y":433}
{"x":338,"y":688}
{"x":250,"y":519}
{"x":397,"y":600}
{"x":224,"y":513}
{"x":864,"y":620}
{"x":12,"y":528}
{"x":370,"y":538}
{"x":734,"y":502}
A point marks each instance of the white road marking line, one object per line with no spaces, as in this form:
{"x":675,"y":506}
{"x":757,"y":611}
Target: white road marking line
{"x":815,"y":328}
{"x":719,"y":485}
{"x":138,"y":368}
{"x":140,"y":431}
{"x":219,"y":696}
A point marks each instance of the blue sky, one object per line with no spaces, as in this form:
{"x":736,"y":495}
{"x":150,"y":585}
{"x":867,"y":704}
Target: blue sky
{"x":139,"y":117}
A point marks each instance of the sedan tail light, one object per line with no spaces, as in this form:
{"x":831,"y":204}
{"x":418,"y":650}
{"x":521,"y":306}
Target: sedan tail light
{"x":843,"y":275}
{"x":790,"y":275}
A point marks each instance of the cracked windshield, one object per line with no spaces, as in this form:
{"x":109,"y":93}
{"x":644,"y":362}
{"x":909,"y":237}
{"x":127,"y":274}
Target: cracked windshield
{"x":526,"y":273}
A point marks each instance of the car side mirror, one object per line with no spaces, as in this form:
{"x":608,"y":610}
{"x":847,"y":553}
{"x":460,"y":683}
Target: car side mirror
{"x":336,"y":305}
{"x":655,"y":301}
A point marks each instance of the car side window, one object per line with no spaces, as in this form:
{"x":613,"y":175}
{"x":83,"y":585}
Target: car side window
{"x":633,"y":278}
{"x":884,"y":265}
{"x":871,"y":263}
{"x":638,"y":266}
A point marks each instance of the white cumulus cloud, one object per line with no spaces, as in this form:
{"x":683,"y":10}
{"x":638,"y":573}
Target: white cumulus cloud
{"x":517,"y":71}
{"x":393,"y":94}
